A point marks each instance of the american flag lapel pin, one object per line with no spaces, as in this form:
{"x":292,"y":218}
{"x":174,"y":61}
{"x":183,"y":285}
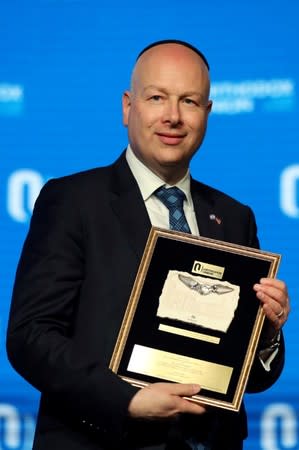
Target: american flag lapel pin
{"x":217,"y":219}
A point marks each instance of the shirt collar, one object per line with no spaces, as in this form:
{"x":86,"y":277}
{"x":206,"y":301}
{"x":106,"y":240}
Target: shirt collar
{"x":149,"y":182}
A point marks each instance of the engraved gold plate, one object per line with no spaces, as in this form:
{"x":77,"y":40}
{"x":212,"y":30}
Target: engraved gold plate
{"x":178,"y":368}
{"x":188,"y":333}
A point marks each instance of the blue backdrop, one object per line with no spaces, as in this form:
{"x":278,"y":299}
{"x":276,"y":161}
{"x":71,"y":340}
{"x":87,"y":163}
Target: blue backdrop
{"x":63,"y":68}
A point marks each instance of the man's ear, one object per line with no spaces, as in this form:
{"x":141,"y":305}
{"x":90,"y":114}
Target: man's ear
{"x":209,"y":106}
{"x":126,"y":103}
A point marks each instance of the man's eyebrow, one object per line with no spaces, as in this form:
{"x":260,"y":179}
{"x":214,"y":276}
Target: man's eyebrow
{"x":191,"y":93}
{"x":154,"y":86}
{"x":164,"y":90}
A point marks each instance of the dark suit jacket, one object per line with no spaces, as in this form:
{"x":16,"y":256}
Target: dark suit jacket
{"x":74,"y":278}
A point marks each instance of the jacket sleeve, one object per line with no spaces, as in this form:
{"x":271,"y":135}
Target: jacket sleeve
{"x":260,"y":379}
{"x":40,"y":343}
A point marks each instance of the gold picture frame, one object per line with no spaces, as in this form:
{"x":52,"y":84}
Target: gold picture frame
{"x":193,"y":316}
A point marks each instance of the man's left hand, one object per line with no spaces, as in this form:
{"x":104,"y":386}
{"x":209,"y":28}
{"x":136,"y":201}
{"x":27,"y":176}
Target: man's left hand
{"x":273,"y":295}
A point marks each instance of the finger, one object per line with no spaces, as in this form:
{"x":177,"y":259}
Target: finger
{"x":279,"y":310}
{"x":163,"y":400}
{"x":180,"y":389}
{"x":190,"y":407}
{"x":271,"y":292}
{"x":278,"y":301}
{"x":279,"y":284}
{"x":275,"y":302}
{"x":277,"y":320}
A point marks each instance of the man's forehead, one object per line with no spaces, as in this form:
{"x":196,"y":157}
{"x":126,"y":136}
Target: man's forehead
{"x":176,"y":42}
{"x":168,"y":57}
{"x":170,"y":64}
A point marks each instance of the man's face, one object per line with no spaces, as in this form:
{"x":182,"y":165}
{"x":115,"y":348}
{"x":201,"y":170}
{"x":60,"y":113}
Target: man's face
{"x":167,"y":109}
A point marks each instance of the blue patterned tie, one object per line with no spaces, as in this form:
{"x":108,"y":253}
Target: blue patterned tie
{"x":173,"y":198}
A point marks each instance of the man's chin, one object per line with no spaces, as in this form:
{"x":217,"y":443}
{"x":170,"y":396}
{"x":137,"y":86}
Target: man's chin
{"x":171,"y":170}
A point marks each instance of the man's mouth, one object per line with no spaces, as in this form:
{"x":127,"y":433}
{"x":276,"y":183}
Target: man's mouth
{"x":170,"y":139}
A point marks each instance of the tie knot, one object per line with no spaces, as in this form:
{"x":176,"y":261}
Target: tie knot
{"x":171,"y":197}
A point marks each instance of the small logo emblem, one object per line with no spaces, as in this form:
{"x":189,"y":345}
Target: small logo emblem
{"x":208,"y":270}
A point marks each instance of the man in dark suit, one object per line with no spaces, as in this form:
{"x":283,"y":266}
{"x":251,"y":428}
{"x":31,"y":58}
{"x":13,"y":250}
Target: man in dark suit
{"x":80,"y":259}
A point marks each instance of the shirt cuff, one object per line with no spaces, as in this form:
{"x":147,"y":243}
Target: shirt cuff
{"x":267,"y":355}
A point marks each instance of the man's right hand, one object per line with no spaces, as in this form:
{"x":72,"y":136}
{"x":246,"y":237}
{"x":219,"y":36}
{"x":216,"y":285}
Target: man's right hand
{"x":164,"y":400}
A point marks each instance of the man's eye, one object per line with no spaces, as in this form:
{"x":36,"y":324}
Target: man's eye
{"x":156,"y":98}
{"x":189,"y":101}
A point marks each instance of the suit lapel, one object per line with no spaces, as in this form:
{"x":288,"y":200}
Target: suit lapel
{"x":209,"y":221}
{"x":127,"y":203}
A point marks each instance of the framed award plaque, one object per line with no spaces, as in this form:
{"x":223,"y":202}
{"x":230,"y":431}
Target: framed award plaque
{"x":193,"y":316}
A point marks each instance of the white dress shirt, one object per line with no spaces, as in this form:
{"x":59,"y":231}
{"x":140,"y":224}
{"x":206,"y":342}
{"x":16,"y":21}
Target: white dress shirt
{"x":149,"y":182}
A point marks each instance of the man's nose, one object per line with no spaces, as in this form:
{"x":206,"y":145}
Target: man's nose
{"x":172,"y":112}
